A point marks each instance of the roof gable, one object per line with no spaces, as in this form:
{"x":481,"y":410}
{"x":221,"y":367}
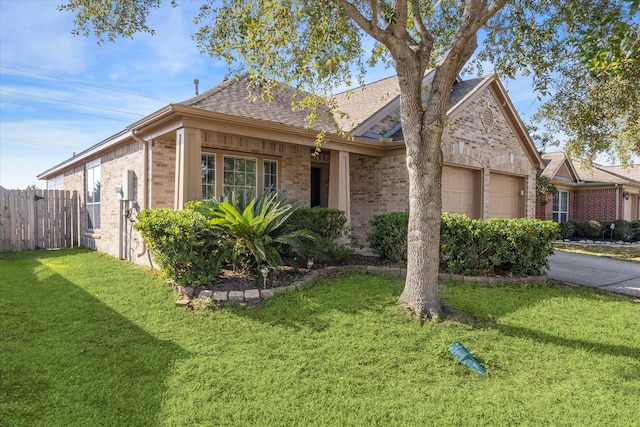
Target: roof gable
{"x":559,"y":167}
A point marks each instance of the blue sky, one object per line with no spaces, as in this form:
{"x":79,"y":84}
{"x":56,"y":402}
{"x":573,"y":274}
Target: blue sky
{"x":61,"y":94}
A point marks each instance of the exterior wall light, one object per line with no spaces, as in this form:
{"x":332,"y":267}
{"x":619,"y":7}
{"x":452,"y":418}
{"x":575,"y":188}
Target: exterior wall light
{"x":625,"y":195}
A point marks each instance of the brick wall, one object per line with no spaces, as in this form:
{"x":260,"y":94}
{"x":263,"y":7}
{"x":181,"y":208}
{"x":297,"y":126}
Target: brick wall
{"x":563,"y":172}
{"x":598,"y":204}
{"x":162,"y":170}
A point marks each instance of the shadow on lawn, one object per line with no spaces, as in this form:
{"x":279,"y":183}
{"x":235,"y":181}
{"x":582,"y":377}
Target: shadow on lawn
{"x":68,"y":359}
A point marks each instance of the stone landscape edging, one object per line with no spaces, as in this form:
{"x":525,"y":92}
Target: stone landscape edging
{"x":253,"y":295}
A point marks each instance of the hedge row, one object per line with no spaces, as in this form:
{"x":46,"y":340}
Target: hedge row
{"x":517,"y":247}
{"x":627,"y":231}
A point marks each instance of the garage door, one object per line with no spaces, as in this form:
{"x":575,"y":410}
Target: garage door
{"x":504,"y":196}
{"x":459,"y":191}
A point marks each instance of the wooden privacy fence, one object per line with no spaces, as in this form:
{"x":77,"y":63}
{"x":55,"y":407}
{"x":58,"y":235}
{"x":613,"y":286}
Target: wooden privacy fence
{"x":38,"y":219}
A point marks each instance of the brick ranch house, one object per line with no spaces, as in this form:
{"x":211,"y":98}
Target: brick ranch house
{"x":600,"y":193}
{"x":221,"y":140}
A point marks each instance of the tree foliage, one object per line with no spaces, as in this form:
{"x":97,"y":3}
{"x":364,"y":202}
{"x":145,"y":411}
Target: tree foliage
{"x":587,"y":60}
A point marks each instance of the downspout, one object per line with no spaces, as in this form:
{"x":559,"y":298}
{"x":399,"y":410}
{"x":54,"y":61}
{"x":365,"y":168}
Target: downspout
{"x":145,"y":187}
{"x":145,"y":167}
{"x":617,"y":202}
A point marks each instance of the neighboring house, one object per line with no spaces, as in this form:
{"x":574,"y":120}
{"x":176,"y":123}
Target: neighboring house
{"x":221,"y":140}
{"x":600,"y":193}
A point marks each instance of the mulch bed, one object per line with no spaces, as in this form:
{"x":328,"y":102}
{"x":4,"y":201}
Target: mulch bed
{"x":230,"y":280}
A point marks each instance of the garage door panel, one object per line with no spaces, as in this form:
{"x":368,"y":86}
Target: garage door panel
{"x":459,"y":191}
{"x":504,"y":196}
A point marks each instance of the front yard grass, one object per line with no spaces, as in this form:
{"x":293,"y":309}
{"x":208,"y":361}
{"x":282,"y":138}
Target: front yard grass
{"x":624,"y":253}
{"x":89,"y":340}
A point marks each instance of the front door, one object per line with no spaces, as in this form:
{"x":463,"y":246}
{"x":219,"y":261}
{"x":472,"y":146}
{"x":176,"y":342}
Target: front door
{"x":316,"y":187}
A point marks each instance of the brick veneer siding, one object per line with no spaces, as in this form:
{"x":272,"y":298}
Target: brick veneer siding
{"x":563,"y":172}
{"x":162,"y":170}
{"x":596,"y":204}
{"x":380,"y":185}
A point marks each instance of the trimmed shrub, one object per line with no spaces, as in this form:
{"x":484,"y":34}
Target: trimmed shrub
{"x":327,"y":225}
{"x":518,"y":247}
{"x":181,"y":243}
{"x":623,"y":230}
{"x":388,"y":237}
{"x":589,"y":230}
{"x":567,"y":229}
{"x":635,"y":227}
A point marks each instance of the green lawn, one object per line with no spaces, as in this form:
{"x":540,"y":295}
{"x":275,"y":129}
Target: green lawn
{"x":624,"y":253}
{"x":87,"y":340}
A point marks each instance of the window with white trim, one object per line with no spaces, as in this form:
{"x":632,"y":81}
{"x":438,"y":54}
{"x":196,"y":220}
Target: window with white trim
{"x":561,"y":206}
{"x":270,"y":174}
{"x":93,"y":194}
{"x":224,"y":174}
{"x":239,"y":175}
{"x":208,"y":176}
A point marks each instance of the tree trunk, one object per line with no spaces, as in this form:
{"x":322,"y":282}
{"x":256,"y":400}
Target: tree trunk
{"x":423,"y":128}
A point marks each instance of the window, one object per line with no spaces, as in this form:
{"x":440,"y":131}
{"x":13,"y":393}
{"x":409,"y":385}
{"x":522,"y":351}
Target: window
{"x":270,"y":171}
{"x":208,"y":176}
{"x":561,"y":206}
{"x":224,"y":174}
{"x":56,"y":183}
{"x":93,"y":194}
{"x":239,"y":176}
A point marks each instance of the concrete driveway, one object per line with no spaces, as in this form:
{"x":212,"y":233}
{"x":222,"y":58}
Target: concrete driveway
{"x":595,"y":272}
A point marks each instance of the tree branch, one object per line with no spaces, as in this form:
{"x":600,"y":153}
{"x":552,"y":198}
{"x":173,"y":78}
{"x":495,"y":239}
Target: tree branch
{"x":474,"y":14}
{"x":425,"y":35}
{"x":369,"y":27}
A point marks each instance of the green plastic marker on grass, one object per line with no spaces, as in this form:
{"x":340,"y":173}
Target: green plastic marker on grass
{"x":463,"y":355}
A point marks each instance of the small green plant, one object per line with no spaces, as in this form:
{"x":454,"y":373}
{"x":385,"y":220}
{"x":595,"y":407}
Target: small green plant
{"x":328,"y":226}
{"x":388,"y":237}
{"x":567,"y":229}
{"x":544,"y":189}
{"x":255,"y":229}
{"x":181,"y":243}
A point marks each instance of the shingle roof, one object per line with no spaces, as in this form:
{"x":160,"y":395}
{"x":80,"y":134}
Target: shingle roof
{"x":233,"y":97}
{"x":632,"y":171}
{"x":362,"y":102}
{"x":594,"y":174}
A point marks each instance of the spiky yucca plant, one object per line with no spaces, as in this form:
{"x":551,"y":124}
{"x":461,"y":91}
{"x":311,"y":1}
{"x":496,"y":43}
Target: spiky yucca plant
{"x":254,"y":228}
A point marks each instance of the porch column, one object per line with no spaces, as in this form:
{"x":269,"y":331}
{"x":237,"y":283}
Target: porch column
{"x":340,"y":183}
{"x":188,"y":166}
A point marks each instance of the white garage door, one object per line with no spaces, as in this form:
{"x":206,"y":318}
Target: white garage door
{"x":504,"y":196}
{"x":459,"y":191}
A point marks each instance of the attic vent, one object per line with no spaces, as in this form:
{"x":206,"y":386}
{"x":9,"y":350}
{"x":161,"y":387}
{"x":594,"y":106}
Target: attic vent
{"x":487,"y":118}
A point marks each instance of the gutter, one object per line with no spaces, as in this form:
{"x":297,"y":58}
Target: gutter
{"x":145,"y":186}
{"x":617,"y":202}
